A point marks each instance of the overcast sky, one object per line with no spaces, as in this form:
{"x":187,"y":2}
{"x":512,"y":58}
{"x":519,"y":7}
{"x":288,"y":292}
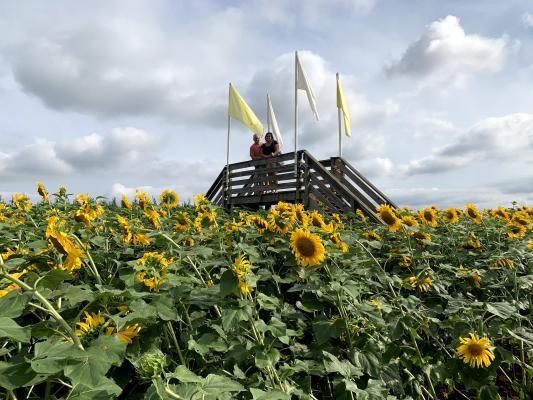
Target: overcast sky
{"x":108,"y":96}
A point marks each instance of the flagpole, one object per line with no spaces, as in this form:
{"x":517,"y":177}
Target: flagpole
{"x":339,"y":114}
{"x":296,"y":122}
{"x":268,"y":114}
{"x":227,"y":147}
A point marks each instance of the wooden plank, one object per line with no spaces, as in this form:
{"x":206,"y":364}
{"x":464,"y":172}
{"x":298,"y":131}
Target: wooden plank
{"x":253,"y":163}
{"x":216,"y":184}
{"x":263,"y":177}
{"x":358,"y":183}
{"x":317,"y":195}
{"x":367,"y":182}
{"x":290,"y":185}
{"x":338,"y":201}
{"x":264,"y":199}
{"x":278,"y":168}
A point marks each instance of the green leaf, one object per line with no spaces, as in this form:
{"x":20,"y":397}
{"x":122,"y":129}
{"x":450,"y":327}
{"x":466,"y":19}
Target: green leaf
{"x":344,"y":367}
{"x":78,"y":294}
{"x":217,"y":384}
{"x":13,"y":304}
{"x":105,"y":389}
{"x":265,"y":359}
{"x":228,"y":283}
{"x":522,"y":334}
{"x":164,"y":304}
{"x":12,"y":330}
{"x":501,"y":309}
{"x":90,"y":367}
{"x":53,"y":278}
{"x":183,"y":374}
{"x":258,"y":394}
{"x":52,"y":355}
{"x":489,"y":393}
{"x":13,"y":376}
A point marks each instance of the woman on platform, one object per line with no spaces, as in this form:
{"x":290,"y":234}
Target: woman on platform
{"x":270,"y":150}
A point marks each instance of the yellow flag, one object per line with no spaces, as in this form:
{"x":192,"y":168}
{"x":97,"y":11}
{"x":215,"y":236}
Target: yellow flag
{"x":341,"y":104}
{"x":238,"y":109}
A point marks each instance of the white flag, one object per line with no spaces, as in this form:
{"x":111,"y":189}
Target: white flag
{"x":302,"y":83}
{"x":273,"y":122}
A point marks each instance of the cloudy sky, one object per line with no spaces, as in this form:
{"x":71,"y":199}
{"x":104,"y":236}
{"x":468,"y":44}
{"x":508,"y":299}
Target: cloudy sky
{"x":108,"y":96}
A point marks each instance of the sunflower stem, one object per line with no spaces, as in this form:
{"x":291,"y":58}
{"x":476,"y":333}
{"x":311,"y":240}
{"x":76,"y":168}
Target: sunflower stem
{"x":47,"y":305}
{"x":92,"y":265}
{"x":176,"y":344}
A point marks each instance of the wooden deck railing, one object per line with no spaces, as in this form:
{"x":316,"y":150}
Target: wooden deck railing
{"x":331,"y":185}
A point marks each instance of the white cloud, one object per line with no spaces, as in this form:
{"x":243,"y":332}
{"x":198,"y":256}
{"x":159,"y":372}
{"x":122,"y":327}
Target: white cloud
{"x":527,"y":19}
{"x":483,"y":197}
{"x":121,"y":148}
{"x":308,"y":12}
{"x":504,"y":138}
{"x":446,"y":55}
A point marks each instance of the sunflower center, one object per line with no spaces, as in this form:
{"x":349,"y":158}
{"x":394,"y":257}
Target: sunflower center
{"x":475,"y":349}
{"x":388,"y":217}
{"x":305,"y":246}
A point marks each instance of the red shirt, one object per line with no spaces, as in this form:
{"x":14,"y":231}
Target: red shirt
{"x":256,"y":151}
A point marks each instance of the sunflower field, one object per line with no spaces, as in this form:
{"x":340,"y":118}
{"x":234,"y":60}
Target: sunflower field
{"x":148,"y":299}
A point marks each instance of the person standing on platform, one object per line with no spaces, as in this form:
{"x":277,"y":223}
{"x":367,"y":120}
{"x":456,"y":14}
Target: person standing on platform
{"x":270,"y":150}
{"x":256,"y":151}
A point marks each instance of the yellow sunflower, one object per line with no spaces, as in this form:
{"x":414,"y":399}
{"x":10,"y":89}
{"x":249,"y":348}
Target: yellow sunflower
{"x":422,"y":235}
{"x":307,"y":248}
{"x":142,"y":198}
{"x":472,"y":212}
{"x":530,"y":245}
{"x":424,"y":285}
{"x":242,"y":269}
{"x":360,"y":215}
{"x":233,"y":226}
{"x":182,"y":221}
{"x":409,"y":220}
{"x":301,"y":215}
{"x":42,"y":191}
{"x":372,"y":235}
{"x":12,"y":286}
{"x":154,"y":270}
{"x":316,"y":219}
{"x":205,"y":220}
{"x":281,"y":222}
{"x":502,"y":263}
{"x":153,"y":216}
{"x":521,"y":218}
{"x":127,"y":334}
{"x":475,"y":352}
{"x":260,"y":223}
{"x":405,"y":261}
{"x":125,"y":203}
{"x":21,"y":201}
{"x":92,"y":321}
{"x":473,"y":243}
{"x":515,"y":230}
{"x":189,"y":242}
{"x":169,"y":199}
{"x":429,"y":216}
{"x":387,"y":215}
{"x":501,"y":213}
{"x":336,"y":239}
{"x":450,"y":216}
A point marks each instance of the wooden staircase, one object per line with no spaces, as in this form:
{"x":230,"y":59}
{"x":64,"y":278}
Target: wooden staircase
{"x":331,"y":185}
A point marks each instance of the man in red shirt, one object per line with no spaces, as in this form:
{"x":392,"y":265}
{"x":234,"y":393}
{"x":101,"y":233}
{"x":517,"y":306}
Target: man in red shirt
{"x":256,"y":152}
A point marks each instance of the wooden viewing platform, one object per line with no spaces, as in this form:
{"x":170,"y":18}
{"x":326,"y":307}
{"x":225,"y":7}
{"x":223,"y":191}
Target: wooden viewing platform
{"x":331,"y":185}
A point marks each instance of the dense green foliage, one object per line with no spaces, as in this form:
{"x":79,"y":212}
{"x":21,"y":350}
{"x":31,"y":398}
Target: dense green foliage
{"x":82,"y":317}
